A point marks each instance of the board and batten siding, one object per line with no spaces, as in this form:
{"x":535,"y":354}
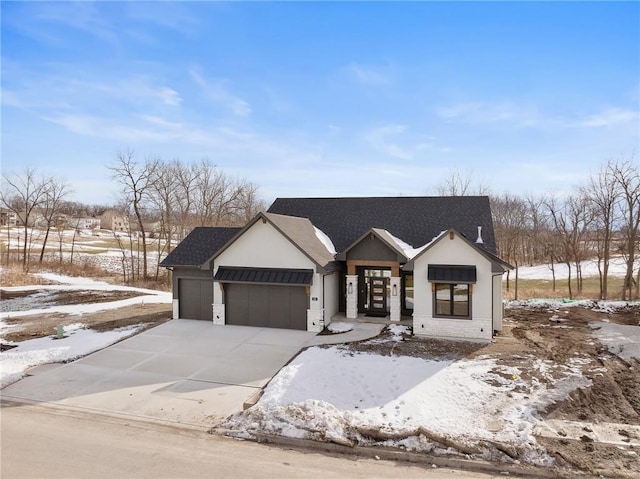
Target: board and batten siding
{"x":454,"y":252}
{"x":263,"y":246}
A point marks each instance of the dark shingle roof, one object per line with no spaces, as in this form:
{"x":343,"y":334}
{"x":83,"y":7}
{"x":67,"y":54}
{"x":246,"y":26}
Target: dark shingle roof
{"x":415,"y":220}
{"x":199,"y":246}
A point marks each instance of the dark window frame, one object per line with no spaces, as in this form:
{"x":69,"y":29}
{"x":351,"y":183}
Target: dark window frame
{"x":451,"y":301}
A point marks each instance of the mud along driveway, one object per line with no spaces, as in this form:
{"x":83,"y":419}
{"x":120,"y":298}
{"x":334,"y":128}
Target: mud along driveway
{"x":183,"y":371}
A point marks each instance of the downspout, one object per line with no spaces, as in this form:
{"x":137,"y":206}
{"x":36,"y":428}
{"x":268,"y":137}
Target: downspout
{"x":324,"y":312}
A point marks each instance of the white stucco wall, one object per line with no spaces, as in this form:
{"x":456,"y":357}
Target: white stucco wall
{"x":454,"y":252}
{"x":330,"y":296}
{"x":262,"y":246}
{"x":497,"y":302}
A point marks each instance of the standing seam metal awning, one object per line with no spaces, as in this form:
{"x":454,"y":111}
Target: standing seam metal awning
{"x":443,"y":273}
{"x":290,"y":277}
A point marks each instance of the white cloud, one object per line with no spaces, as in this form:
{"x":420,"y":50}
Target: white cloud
{"x":172,"y":15}
{"x":217,"y":93}
{"x":486,"y":112}
{"x":169,"y":96}
{"x":527,"y":116}
{"x":381,"y":138}
{"x":610,"y":117}
{"x":370,"y":75}
{"x":162,"y":122}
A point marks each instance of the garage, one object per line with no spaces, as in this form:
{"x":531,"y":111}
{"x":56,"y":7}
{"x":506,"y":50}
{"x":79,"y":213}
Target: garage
{"x":196,"y":298}
{"x":271,"y":298}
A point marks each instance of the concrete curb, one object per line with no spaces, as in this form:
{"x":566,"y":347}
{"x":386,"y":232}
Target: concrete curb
{"x":421,"y":459}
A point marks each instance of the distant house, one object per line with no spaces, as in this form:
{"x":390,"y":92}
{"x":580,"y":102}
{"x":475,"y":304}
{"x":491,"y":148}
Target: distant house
{"x":86,"y":222}
{"x":114,"y":220}
{"x":8,"y":217}
{"x":428,"y":259}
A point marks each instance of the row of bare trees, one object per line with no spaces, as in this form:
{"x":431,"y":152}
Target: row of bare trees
{"x":163,"y":199}
{"x":599,"y":219}
{"x":30,"y":194}
{"x":177,"y":197}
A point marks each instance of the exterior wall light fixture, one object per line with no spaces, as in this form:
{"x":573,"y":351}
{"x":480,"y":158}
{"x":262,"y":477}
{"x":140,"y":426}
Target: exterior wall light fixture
{"x":350,"y":287}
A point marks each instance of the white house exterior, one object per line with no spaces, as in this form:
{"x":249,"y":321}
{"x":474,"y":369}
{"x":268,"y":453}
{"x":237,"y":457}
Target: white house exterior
{"x":306,"y":260}
{"x":458,"y":290}
{"x":266,"y":246}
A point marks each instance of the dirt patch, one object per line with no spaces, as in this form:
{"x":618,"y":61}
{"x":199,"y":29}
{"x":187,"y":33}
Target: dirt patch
{"x":25,"y":300}
{"x":386,"y":344}
{"x":29,"y":327}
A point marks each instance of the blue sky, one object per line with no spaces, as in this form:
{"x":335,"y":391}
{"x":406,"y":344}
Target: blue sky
{"x":323,"y":99}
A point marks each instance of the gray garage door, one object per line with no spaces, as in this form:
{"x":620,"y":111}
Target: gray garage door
{"x":270,"y":306}
{"x":196,"y":298}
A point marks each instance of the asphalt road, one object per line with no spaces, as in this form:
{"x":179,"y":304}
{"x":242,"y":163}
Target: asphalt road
{"x":41,"y":442}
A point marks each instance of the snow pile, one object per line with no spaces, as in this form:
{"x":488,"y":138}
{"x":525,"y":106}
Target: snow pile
{"x":398,"y":330}
{"x":77,"y":342}
{"x":333,"y":394}
{"x":556,"y":304}
{"x":325,"y":240}
{"x":408,"y":250}
{"x":340,"y":327}
{"x":620,"y":339}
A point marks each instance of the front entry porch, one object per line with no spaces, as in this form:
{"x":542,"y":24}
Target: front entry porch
{"x":374,"y":284}
{"x":363,"y":318}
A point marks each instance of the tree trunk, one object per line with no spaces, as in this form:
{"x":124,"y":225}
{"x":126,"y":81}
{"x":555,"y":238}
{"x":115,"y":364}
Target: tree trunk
{"x":24,"y":247}
{"x":569,"y":281}
{"x":44,"y":243}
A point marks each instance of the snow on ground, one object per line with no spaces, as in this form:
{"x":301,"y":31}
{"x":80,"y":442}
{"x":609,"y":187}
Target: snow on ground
{"x":620,"y":339}
{"x":617,"y":267}
{"x":335,"y":394}
{"x":69,"y":283}
{"x":556,"y":304}
{"x":340,"y":327}
{"x":77,"y":342}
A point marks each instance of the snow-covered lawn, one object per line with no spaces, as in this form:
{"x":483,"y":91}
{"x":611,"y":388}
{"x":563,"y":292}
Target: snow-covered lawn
{"x":77,"y":341}
{"x":480,"y":406}
{"x":335,"y":394}
{"x":617,"y":267}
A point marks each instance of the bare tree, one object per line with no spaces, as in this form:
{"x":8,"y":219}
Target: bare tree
{"x":572,"y":220}
{"x":163,"y":197}
{"x":136,"y":181}
{"x":461,"y":183}
{"x":627,"y":177}
{"x":54,"y":194}
{"x":22,"y":194}
{"x":509,"y":216}
{"x":186,"y":176}
{"x":603,"y":193}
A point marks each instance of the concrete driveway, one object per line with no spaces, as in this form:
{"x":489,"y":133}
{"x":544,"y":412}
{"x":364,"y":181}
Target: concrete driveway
{"x":185,"y":371}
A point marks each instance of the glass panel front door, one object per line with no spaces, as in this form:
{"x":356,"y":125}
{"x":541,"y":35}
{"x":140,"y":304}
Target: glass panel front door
{"x":369,"y":303}
{"x":378,"y":296}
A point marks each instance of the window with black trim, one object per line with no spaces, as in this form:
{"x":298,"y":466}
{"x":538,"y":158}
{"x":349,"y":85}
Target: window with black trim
{"x":452,"y":300}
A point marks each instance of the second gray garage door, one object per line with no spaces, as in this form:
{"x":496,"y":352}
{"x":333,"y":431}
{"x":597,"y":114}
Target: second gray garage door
{"x":270,"y":306}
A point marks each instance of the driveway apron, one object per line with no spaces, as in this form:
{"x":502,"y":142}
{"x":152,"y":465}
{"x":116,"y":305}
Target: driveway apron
{"x":184,"y":371}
